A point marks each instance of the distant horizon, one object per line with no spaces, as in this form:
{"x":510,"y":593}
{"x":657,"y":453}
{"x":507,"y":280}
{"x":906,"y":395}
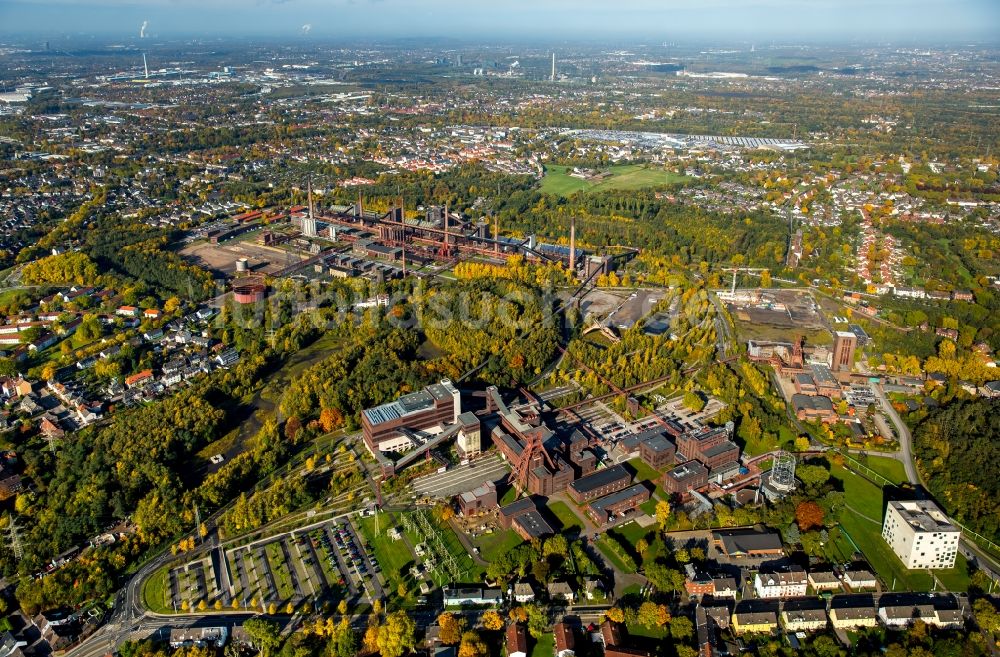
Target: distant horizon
{"x":729,"y":21}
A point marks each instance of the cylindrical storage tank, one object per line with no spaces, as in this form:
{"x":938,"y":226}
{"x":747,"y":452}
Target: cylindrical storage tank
{"x":246,"y":293}
{"x":242,"y":265}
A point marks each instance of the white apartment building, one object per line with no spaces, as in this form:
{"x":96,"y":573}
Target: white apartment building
{"x":788,"y":583}
{"x":920,"y":534}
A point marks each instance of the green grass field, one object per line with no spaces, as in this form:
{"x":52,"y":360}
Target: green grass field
{"x":566,"y":516}
{"x":632,"y":532}
{"x":491,"y":546}
{"x":643,"y":472}
{"x":544,"y":646}
{"x":889,"y":468}
{"x":393,"y":556}
{"x":155,"y":591}
{"x":558,"y":182}
{"x":612,"y":555}
{"x":865,"y":499}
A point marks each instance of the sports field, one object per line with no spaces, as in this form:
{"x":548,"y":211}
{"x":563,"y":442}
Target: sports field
{"x":558,"y":182}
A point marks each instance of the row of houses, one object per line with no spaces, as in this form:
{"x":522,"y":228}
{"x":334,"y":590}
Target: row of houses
{"x":849,"y":611}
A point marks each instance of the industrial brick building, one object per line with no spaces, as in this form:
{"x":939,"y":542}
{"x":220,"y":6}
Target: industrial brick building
{"x":524,"y":518}
{"x":657,"y":451}
{"x":478,"y":500}
{"x":612,"y":506}
{"x":685,"y":478}
{"x":711,"y":446}
{"x":600,"y":483}
{"x":541,"y":462}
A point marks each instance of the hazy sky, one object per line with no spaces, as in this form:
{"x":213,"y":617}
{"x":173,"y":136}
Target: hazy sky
{"x":918,"y":20}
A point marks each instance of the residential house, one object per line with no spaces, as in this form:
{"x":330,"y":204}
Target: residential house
{"x":561,"y":591}
{"x":803,"y":615}
{"x":787,"y":583}
{"x":565,"y":640}
{"x":823,"y":580}
{"x":11,"y":647}
{"x":858,"y":580}
{"x":755,"y":617}
{"x":725,"y":587}
{"x":227,"y":357}
{"x":49,"y":427}
{"x":523,"y":592}
{"x":517,"y":640}
{"x":139,"y":378}
{"x":615,"y":640}
{"x":902,"y":609}
{"x":593,"y":589}
{"x":852,"y":611}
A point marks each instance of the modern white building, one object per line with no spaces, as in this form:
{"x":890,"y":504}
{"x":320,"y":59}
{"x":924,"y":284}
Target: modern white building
{"x":920,"y":534}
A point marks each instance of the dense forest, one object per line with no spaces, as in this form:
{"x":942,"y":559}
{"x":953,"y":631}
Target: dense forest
{"x":958,"y":453}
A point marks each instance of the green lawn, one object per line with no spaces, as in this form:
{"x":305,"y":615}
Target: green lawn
{"x":279,"y":570}
{"x":156,"y":591}
{"x":889,"y":468}
{"x":957,"y":578}
{"x":491,"y":546}
{"x":473,"y":572}
{"x":861,"y":494}
{"x":566,"y":516}
{"x":612,"y":556}
{"x":658,"y":633}
{"x":509,"y":496}
{"x":643,"y":471}
{"x":558,"y":182}
{"x":866,"y":498}
{"x":544,"y":646}
{"x":393,"y":556}
{"x":632,"y":532}
{"x":887,"y":565}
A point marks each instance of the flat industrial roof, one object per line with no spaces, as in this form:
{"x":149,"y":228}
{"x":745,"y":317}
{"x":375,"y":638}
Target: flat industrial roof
{"x":534,"y":524}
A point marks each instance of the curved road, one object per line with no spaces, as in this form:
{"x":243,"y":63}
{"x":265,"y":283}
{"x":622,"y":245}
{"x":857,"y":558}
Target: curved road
{"x":970,"y":550}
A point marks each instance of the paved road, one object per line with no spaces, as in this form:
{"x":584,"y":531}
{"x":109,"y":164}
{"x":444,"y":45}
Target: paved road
{"x":970,"y":550}
{"x":905,"y":439}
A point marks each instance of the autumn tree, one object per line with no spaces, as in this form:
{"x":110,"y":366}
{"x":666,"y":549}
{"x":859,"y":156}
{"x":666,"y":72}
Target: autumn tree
{"x":264,"y":634}
{"x":472,"y":645}
{"x":330,"y":419}
{"x":397,"y":636}
{"x":663,"y":514}
{"x":452,"y":627}
{"x":492,"y":620}
{"x":615,"y":615}
{"x":344,"y":640}
{"x":809,"y":515}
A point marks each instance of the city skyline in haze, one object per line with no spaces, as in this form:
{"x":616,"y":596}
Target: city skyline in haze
{"x":665,"y":20}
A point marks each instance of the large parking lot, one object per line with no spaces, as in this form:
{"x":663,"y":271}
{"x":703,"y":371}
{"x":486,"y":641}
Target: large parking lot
{"x":322,"y":562}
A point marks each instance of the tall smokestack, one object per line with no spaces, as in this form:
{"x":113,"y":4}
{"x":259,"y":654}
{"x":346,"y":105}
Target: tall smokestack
{"x":144,"y":66}
{"x":447,"y":250}
{"x":309,"y":193}
{"x":553,"y":78}
{"x":496,"y":234}
{"x":361,"y":207}
{"x":572,"y":245}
